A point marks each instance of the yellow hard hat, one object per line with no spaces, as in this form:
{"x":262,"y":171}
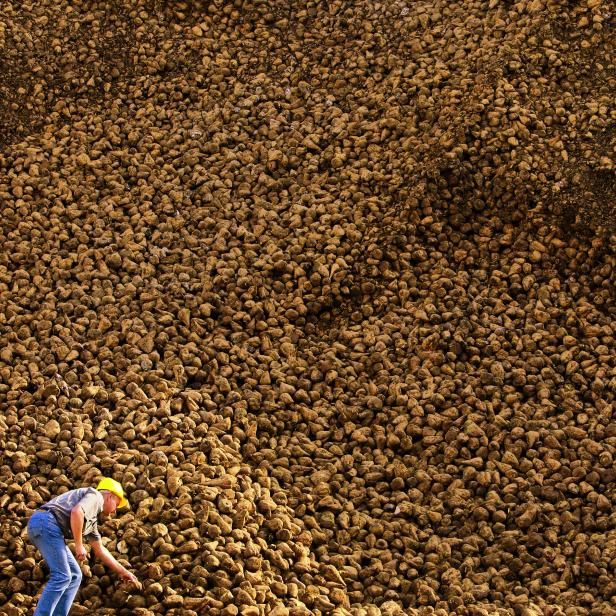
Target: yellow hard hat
{"x":111,"y":485}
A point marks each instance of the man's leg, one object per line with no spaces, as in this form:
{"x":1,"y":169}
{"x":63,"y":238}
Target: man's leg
{"x":46,"y":535}
{"x":63,"y":606}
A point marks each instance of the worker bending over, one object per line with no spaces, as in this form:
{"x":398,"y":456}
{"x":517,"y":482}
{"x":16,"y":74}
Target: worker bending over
{"x":73,"y":515}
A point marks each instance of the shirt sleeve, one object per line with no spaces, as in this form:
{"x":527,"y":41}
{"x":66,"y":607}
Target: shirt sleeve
{"x":91,"y":506}
{"x":93,"y":535}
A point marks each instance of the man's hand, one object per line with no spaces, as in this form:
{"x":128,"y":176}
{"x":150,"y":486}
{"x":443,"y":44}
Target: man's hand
{"x":127,"y":576}
{"x":103,"y":554}
{"x":80,"y":553}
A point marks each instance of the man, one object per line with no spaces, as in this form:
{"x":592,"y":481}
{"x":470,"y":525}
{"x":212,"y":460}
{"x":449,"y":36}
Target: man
{"x":73,"y":514}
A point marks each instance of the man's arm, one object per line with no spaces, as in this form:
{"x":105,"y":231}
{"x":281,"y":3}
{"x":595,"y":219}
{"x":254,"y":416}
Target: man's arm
{"x":105,"y":556}
{"x":77,"y":518}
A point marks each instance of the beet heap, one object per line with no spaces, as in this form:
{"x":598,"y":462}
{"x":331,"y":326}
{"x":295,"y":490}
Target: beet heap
{"x":328,"y":286}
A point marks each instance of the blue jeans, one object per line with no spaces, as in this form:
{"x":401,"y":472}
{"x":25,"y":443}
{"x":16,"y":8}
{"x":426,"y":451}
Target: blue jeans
{"x":64,"y":572}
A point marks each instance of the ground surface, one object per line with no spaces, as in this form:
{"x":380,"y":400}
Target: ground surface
{"x":329,"y":287}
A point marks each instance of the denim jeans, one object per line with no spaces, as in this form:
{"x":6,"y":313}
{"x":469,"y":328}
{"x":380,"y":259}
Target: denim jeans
{"x":64,"y":572}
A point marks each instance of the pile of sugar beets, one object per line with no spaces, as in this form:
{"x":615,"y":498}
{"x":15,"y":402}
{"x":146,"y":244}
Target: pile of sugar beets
{"x":328,"y":286}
